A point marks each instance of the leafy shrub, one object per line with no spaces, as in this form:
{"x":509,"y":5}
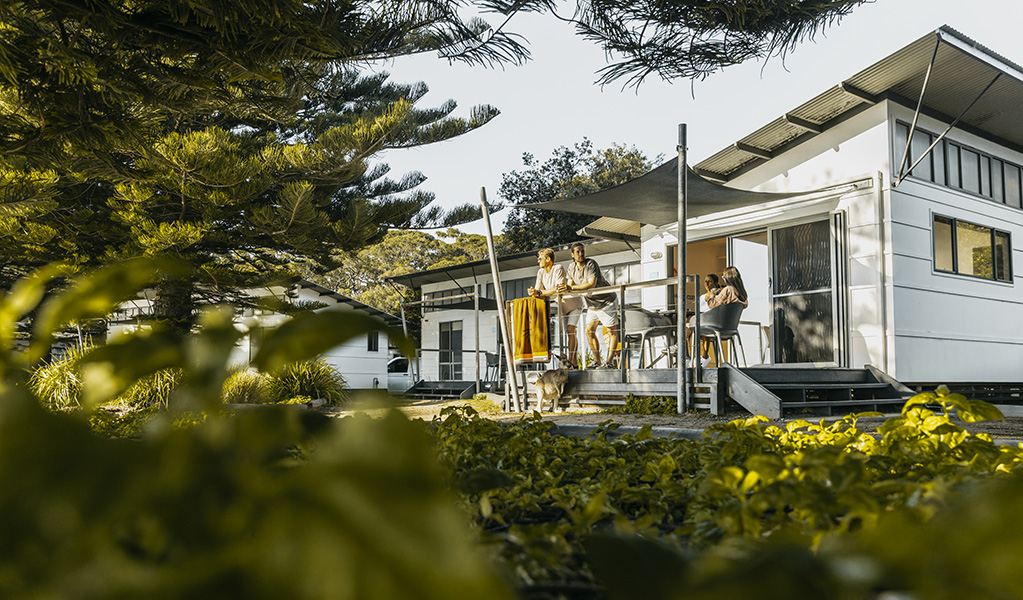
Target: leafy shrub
{"x":750,"y":502}
{"x":645,"y":405}
{"x":246,"y":386}
{"x":314,"y":378}
{"x":58,"y":382}
{"x":153,"y":390}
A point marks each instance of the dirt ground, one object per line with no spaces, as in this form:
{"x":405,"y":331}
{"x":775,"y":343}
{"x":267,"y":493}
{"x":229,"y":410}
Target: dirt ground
{"x":1010,"y":428}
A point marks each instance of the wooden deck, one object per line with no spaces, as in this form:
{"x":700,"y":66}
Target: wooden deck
{"x":770,"y":391}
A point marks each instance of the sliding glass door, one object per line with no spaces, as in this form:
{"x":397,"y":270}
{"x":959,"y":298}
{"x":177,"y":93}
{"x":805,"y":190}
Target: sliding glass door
{"x":803,"y":294}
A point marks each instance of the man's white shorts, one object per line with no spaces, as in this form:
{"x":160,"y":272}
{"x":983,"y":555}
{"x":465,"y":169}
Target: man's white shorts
{"x":608,"y":316}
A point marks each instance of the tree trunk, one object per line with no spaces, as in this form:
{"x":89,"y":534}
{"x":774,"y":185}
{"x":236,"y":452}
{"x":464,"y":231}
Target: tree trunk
{"x":173,"y":306}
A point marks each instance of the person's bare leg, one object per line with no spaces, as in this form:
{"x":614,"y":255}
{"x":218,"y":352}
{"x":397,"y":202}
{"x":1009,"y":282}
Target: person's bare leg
{"x":613,"y":348}
{"x":573,"y":344}
{"x":591,"y":336}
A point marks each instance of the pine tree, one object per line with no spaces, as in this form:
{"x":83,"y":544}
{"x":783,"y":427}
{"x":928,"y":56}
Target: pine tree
{"x":234,"y":137}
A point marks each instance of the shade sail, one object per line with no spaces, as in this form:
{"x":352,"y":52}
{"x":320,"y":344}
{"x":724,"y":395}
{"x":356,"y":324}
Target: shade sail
{"x":653,"y":198}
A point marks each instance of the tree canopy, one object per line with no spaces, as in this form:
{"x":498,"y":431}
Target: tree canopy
{"x":239,"y":137}
{"x":234,"y":138}
{"x":570,"y":172}
{"x":686,"y":39}
{"x":361,"y":274}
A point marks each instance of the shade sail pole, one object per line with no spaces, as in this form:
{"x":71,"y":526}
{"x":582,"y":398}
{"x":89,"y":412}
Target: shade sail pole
{"x":681,"y":372}
{"x":513,"y":384}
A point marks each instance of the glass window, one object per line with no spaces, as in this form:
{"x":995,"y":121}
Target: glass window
{"x":939,"y":163}
{"x":971,"y":249}
{"x":1012,"y":185}
{"x":373,"y":341}
{"x":970,"y":170}
{"x":985,"y":176}
{"x":921,"y":141}
{"x":450,"y":351}
{"x":956,"y":166}
{"x":1003,"y":256}
{"x":997,"y":192}
{"x":943,"y":258}
{"x":953,"y":166}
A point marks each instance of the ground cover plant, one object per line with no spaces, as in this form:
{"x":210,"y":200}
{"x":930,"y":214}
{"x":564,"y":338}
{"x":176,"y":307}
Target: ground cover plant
{"x":285,"y":503}
{"x":749,"y":510}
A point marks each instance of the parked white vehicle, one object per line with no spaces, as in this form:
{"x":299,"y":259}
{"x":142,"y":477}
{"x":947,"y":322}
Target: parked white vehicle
{"x":399,"y":375}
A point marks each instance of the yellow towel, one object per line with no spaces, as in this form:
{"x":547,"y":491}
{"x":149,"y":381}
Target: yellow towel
{"x":529,"y":323}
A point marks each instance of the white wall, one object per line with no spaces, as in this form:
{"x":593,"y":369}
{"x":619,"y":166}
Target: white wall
{"x":952,"y":328}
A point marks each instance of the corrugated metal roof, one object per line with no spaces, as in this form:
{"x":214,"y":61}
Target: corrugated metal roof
{"x":612,"y":228}
{"x":962,"y":68}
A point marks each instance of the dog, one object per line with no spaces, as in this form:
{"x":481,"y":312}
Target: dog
{"x":550,"y":385}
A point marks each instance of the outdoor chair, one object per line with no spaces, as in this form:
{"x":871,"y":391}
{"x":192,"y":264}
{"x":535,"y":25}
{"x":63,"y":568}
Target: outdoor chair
{"x":722,"y":323}
{"x":642,"y":327}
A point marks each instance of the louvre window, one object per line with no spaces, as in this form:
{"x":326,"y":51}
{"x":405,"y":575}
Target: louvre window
{"x":956,"y":166}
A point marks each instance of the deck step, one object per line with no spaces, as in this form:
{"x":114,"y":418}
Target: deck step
{"x":825,"y":386}
{"x":840,"y":403}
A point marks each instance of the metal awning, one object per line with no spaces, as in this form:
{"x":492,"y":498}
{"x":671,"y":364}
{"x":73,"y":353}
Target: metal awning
{"x":961,"y":70}
{"x":652,"y":198}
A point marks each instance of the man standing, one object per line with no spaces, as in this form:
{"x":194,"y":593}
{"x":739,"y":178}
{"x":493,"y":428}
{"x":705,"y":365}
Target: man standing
{"x":551,"y":279}
{"x":584,"y":274}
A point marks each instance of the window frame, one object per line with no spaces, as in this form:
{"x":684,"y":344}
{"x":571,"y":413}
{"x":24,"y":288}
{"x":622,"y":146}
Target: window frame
{"x":951,"y":175}
{"x":993,"y":235}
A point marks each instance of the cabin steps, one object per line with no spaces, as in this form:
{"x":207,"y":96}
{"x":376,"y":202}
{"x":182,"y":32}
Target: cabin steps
{"x":441,"y":390}
{"x":827,"y":391}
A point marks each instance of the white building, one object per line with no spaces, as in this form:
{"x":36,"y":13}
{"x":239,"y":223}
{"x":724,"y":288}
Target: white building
{"x":362,"y":360}
{"x":857,"y":260}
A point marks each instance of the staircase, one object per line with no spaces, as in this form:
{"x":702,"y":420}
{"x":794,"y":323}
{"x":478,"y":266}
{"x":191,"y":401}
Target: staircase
{"x":441,"y":390}
{"x":791,"y":392}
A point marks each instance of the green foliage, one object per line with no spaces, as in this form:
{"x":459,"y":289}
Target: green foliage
{"x":57,"y":382}
{"x":309,"y":379}
{"x":154,"y":389}
{"x":645,"y":405}
{"x":266,"y":504}
{"x":246,"y":386}
{"x":745,"y":511}
{"x":570,"y":172}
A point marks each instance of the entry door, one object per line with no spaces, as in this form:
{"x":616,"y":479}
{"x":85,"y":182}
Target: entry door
{"x":451,"y":351}
{"x":803,"y":296}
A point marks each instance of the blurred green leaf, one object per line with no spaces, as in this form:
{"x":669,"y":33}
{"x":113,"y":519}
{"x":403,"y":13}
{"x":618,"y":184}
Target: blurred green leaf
{"x":108,"y":371}
{"x":636,"y":567}
{"x":95,"y":295}
{"x":310,"y":334}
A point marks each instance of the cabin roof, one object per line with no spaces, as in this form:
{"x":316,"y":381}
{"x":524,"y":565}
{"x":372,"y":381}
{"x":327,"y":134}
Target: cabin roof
{"x":962,"y":69}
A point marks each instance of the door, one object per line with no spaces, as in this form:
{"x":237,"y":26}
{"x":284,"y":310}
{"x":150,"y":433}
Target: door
{"x":749,"y":254}
{"x":451,"y":351}
{"x":802,"y":289}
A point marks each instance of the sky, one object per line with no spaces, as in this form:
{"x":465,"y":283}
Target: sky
{"x":552,"y":100}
